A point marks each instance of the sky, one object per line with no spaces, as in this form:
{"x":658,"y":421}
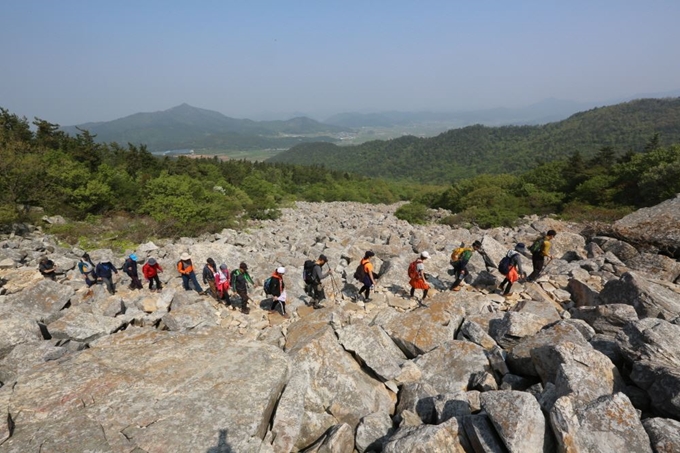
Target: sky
{"x":75,"y":61}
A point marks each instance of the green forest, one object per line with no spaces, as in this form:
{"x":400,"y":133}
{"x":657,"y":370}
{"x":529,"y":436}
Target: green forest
{"x":476,"y":150}
{"x":80,"y":179}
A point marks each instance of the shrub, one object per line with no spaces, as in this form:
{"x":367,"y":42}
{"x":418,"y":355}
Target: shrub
{"x":412,"y":213}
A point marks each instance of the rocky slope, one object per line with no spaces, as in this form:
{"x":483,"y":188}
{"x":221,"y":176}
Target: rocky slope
{"x":584,"y":360}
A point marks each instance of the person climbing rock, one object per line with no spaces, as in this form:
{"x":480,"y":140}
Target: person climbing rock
{"x":130,"y":268}
{"x":186,"y":269}
{"x":277,"y":290}
{"x":105,"y":270}
{"x":240,"y":279}
{"x":366,"y":275}
{"x":151,"y":269}
{"x":511,"y":267}
{"x":416,"y":275}
{"x":47,"y":268}
{"x":459,"y":259}
{"x":540,"y":250}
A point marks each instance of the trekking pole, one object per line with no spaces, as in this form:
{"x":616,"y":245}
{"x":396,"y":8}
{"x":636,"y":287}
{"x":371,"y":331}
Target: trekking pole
{"x":336,"y":288}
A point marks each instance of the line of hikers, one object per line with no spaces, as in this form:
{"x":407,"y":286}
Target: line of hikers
{"x":510,"y":265}
{"x":220,"y":280}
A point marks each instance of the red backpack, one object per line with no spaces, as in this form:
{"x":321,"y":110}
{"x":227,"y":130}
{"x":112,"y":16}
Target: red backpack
{"x":413,"y":270}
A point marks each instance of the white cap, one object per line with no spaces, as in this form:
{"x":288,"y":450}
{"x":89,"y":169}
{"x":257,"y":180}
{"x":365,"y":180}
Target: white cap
{"x":281,"y":270}
{"x":424,"y":255}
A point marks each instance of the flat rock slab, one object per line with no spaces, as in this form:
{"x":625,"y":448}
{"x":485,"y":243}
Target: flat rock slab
{"x":664,"y":433}
{"x":423,"y":329}
{"x":83,"y":327}
{"x":649,"y":299}
{"x":43,"y":301}
{"x":373,"y":347}
{"x":448,"y":437}
{"x":155,"y":391}
{"x":451,"y":367}
{"x":17,"y":329}
{"x":607,"y":424}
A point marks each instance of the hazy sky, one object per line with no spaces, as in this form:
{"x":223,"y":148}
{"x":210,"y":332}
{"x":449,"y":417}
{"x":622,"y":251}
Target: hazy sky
{"x":70,"y":61}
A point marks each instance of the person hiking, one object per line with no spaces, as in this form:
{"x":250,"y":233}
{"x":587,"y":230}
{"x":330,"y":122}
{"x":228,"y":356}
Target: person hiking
{"x":459,"y":259}
{"x":88,"y":270}
{"x":540,"y":249}
{"x":366,"y":274}
{"x":313,"y":275}
{"x":416,"y":275}
{"x":222,"y":285}
{"x":511,"y":267}
{"x":130,"y":268}
{"x":151,"y":269}
{"x":186,"y":269}
{"x":105,"y":270}
{"x":46,"y":268}
{"x":240,"y":279}
{"x":209,"y":271}
{"x":277,"y":289}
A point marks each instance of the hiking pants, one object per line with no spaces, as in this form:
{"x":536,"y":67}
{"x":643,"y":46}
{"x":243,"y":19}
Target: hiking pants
{"x":156,"y":280}
{"x":538,"y":260}
{"x":108,"y":281}
{"x":279,"y":302}
{"x":135,"y":283}
{"x":413,"y":292}
{"x":460,"y":271}
{"x":191,"y":277}
{"x":244,"y":300}
{"x":318,"y":293}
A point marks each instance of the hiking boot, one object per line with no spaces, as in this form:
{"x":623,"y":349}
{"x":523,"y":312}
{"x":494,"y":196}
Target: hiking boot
{"x":457,"y":288}
{"x":245,"y":310}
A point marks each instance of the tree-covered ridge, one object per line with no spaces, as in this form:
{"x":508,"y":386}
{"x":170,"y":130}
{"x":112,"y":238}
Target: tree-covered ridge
{"x":475,"y":150}
{"x":185,"y":126}
{"x":80,"y":178}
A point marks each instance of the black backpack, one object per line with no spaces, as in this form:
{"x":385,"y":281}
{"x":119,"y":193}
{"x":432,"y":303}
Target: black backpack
{"x":360,"y":273}
{"x":308,"y":272}
{"x":504,"y":265}
{"x":270,"y":285}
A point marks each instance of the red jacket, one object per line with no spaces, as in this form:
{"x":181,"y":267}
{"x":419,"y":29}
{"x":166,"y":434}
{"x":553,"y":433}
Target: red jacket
{"x":150,"y":271}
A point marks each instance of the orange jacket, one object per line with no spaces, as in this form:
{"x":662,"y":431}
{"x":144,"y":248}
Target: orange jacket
{"x":183,"y":268}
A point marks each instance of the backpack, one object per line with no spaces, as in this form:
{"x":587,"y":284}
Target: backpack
{"x":269,"y":285}
{"x":85,"y":267}
{"x":537,"y":245}
{"x":308,"y":272}
{"x":360,"y":273}
{"x":413,"y":270}
{"x":461,"y":254}
{"x":235,"y":273}
{"x":504,"y":265}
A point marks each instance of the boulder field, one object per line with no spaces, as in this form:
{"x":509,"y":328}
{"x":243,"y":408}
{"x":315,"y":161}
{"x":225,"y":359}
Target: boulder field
{"x":585,"y":359}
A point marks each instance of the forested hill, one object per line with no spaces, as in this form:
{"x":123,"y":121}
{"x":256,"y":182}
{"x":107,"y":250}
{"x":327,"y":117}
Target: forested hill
{"x":185,"y":126}
{"x":473,"y":150}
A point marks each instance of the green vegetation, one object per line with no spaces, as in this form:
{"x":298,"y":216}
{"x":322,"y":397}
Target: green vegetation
{"x":125,"y":193}
{"x":476,"y":150}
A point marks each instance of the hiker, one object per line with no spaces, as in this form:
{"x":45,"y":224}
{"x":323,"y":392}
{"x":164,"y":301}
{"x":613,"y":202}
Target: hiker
{"x":151,"y":270}
{"x":222,"y":285}
{"x":240,"y":279}
{"x":277,"y":289}
{"x":87,"y":270}
{"x":130,"y":268}
{"x":366,"y":275}
{"x":459,"y":260}
{"x":416,"y":275}
{"x":186,"y":269}
{"x":540,"y":249}
{"x":312,"y":275}
{"x":105,"y":270}
{"x":511,"y":267}
{"x":47,"y":268}
{"x":209,"y":271}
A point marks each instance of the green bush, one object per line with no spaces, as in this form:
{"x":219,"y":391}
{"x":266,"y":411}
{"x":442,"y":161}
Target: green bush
{"x":412,"y":213}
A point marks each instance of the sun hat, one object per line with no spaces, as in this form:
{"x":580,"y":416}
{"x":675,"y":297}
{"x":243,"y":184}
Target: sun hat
{"x":152,"y":261}
{"x":185,"y":256}
{"x":520,"y":246}
{"x":133,"y":257}
{"x":223,"y":267}
{"x":281,"y":270}
{"x":424,"y":255}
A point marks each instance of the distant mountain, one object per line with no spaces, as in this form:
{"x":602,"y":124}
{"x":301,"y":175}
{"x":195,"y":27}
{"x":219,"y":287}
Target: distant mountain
{"x":481,"y":149}
{"x":185,"y":126}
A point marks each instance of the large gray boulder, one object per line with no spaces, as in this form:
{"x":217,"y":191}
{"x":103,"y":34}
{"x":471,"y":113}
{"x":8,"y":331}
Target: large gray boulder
{"x":17,"y":329}
{"x":418,"y":398}
{"x":482,"y":435}
{"x":448,"y":437}
{"x":658,"y":226}
{"x":518,"y":420}
{"x":327,"y":387}
{"x":607,"y":424}
{"x":451,"y":366}
{"x":649,"y":299}
{"x":424,"y":329}
{"x":581,"y":293}
{"x":132,"y":392}
{"x":338,"y":439}
{"x":186,"y":317}
{"x":374,"y":348}
{"x":606,"y":319}
{"x":657,"y":266}
{"x":43,"y":301}
{"x":372,"y":432}
{"x":664,"y":434}
{"x":83,"y":327}
{"x":514,"y":326}
{"x":651,"y":347}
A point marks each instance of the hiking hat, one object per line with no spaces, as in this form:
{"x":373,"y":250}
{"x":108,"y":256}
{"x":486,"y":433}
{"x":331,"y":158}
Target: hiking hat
{"x":223,"y":267}
{"x":243,"y":266}
{"x":323,"y":258}
{"x":152,"y":261}
{"x":521,"y":247}
{"x":552,"y":233}
{"x":476,"y":244}
{"x":133,"y":257}
{"x":424,"y":255}
{"x":185,"y":256}
{"x":281,"y":270}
